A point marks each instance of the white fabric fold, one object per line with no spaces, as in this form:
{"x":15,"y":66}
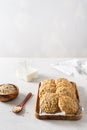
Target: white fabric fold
{"x":70,"y":67}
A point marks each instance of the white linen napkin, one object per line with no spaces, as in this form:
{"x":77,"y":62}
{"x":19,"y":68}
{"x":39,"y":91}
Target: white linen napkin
{"x":70,"y":67}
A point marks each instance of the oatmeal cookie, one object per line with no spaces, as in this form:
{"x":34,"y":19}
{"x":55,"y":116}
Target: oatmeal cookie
{"x":68,"y":105}
{"x":47,"y":88}
{"x":65,"y":83}
{"x":61,"y":80}
{"x":61,"y":91}
{"x":49,"y":103}
{"x":48,"y":81}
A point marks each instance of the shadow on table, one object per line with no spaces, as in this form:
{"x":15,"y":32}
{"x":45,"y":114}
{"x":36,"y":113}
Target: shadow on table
{"x":17,"y":101}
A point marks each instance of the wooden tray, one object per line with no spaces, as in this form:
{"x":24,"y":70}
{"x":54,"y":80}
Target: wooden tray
{"x":57,"y":116}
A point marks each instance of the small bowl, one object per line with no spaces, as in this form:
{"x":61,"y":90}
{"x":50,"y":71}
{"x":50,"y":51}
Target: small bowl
{"x":8,"y":94}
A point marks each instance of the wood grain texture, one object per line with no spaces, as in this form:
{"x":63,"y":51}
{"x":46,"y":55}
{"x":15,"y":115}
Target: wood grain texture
{"x":8,"y":97}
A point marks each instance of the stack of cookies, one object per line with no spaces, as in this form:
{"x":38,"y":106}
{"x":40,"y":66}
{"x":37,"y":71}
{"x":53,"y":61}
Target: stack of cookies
{"x":58,"y":95}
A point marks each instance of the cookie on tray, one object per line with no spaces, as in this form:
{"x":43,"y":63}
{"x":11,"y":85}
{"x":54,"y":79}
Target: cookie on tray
{"x":61,"y":80}
{"x":47,"y":88}
{"x":48,"y":81}
{"x":63,"y":91}
{"x":49,"y":103}
{"x":67,"y":105}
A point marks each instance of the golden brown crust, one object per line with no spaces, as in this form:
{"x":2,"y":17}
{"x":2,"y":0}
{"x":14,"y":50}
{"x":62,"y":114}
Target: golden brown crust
{"x":49,"y":102}
{"x":68,"y":105}
{"x":47,"y":88}
{"x":48,"y":82}
{"x":61,"y":80}
{"x":61,"y":91}
{"x":64,"y":83}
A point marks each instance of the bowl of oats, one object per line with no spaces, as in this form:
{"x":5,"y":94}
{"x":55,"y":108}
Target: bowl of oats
{"x":8,"y":92}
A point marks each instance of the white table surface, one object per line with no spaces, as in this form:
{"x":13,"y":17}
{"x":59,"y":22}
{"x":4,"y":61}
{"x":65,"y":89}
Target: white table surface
{"x":26,"y":119}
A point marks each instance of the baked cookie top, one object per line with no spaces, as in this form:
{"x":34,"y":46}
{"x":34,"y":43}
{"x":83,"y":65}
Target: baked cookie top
{"x":63,"y":91}
{"x":49,"y":103}
{"x":46,"y":88}
{"x":67,"y":105}
{"x":48,"y":81}
{"x":61,"y":80}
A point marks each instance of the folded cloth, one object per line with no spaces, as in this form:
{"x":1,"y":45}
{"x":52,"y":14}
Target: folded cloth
{"x":71,"y":66}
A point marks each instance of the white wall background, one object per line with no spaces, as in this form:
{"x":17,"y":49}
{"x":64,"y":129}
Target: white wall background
{"x":43,"y":28}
